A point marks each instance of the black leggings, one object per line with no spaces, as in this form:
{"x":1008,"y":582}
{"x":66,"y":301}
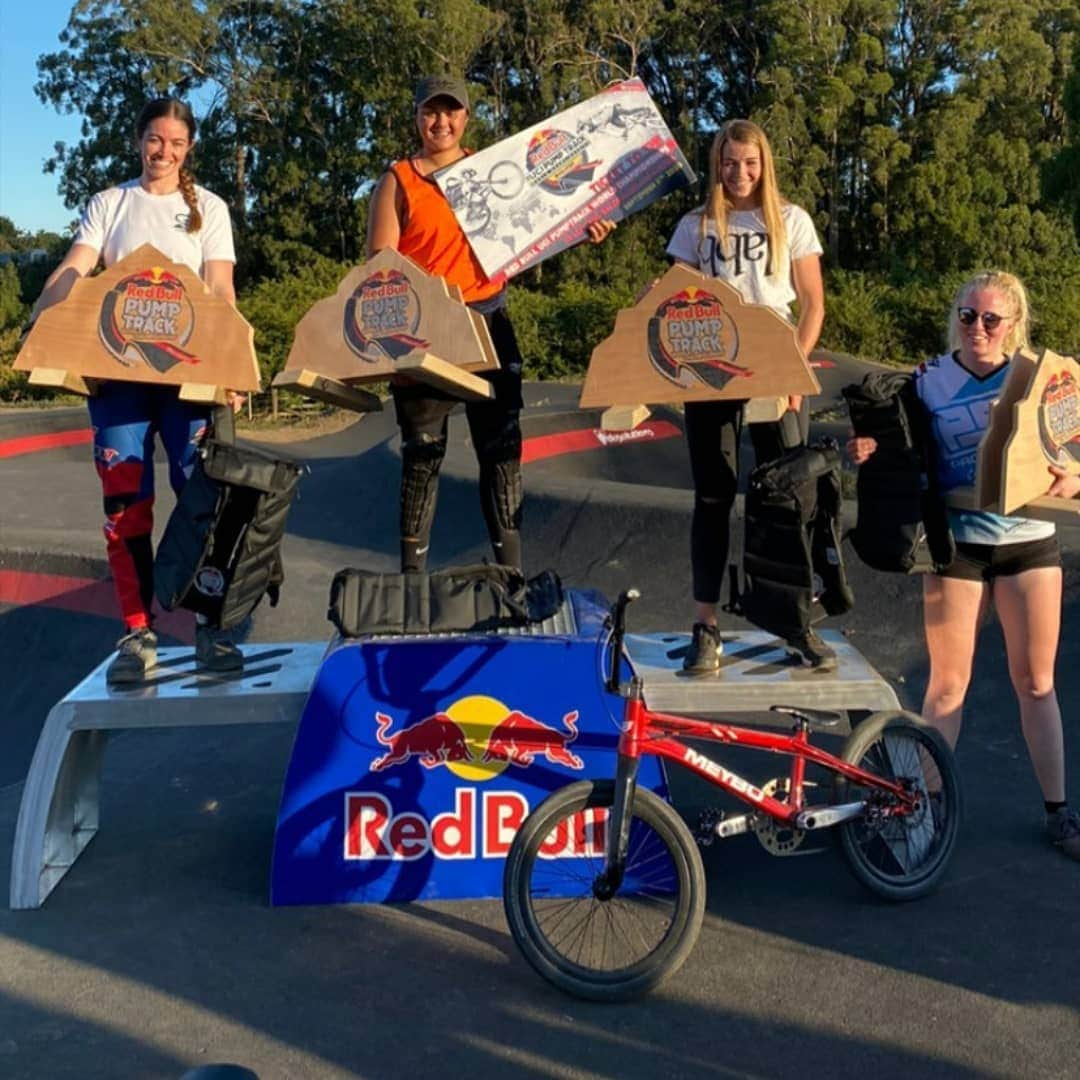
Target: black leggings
{"x":423,"y":413}
{"x":713,"y":431}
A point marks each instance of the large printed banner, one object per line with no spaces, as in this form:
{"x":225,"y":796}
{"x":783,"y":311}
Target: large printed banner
{"x":535,"y":194}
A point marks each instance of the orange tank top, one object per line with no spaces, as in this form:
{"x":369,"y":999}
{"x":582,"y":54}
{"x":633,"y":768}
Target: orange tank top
{"x":432,"y":237}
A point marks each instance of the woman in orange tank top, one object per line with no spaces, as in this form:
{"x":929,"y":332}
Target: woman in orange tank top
{"x":410,"y":214}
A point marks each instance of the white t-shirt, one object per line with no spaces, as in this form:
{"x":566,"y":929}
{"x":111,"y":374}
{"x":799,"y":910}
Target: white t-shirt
{"x":959,"y":406}
{"x":741,"y":260}
{"x":123,"y":218}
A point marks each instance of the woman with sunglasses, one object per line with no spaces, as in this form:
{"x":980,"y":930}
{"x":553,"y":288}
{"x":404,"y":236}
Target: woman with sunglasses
{"x":1015,"y":563}
{"x":164,"y":207}
{"x":750,"y":237}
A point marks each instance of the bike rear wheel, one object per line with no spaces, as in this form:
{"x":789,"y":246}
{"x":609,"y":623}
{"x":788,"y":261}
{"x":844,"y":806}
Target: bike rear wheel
{"x":611,"y":949}
{"x":900,"y":856}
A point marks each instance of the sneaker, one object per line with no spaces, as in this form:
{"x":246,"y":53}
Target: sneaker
{"x":214,"y":653}
{"x":703,"y":656}
{"x":136,"y":654}
{"x":810,"y":649}
{"x":1063,"y":829}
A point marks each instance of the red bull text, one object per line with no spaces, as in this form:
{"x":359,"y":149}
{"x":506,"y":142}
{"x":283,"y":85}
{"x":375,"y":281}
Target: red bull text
{"x":481,"y":827}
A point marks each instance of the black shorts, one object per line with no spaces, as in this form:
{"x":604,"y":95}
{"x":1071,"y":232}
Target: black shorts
{"x":984,"y":562}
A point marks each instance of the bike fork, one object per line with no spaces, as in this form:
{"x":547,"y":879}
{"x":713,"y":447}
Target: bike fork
{"x":618,"y":828}
{"x":618,"y":825}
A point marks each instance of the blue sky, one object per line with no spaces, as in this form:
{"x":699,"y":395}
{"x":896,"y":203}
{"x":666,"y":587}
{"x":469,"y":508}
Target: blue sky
{"x":28,"y":129}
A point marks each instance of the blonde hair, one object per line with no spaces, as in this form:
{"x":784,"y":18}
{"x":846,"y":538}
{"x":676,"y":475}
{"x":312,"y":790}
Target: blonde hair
{"x":1012,"y":288}
{"x":717,"y":205}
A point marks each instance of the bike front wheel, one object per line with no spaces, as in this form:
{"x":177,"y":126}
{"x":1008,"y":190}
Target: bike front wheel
{"x":506,"y":179}
{"x":900,"y":856}
{"x":610,"y":949}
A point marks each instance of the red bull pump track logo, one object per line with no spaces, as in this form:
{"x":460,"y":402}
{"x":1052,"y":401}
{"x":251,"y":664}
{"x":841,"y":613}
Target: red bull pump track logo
{"x":559,"y":162}
{"x":148,"y":318}
{"x":692,"y":339}
{"x":1059,"y":419}
{"x":382,"y":317}
{"x":477,"y":738}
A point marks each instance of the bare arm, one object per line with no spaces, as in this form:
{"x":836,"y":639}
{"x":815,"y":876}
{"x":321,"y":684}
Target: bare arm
{"x":218,"y":275}
{"x":77,"y":263}
{"x":385,"y":215}
{"x":810,"y":289}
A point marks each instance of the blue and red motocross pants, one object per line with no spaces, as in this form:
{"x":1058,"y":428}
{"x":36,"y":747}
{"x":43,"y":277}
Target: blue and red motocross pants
{"x":125,"y":417}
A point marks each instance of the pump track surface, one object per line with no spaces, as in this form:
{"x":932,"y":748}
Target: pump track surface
{"x":159,"y":951}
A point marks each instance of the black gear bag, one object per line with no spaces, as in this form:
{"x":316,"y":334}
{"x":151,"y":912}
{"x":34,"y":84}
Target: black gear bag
{"x":902,"y":524}
{"x":792,"y":561}
{"x":222,"y":545}
{"x":458,"y":599}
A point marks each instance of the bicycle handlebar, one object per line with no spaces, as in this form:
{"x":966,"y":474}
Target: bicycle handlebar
{"x":617,"y":618}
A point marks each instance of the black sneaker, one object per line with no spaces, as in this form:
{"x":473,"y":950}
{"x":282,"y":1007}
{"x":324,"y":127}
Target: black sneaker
{"x":810,"y":649}
{"x":213,"y":652}
{"x":1063,"y":830}
{"x":136,"y":654}
{"x":703,"y":656}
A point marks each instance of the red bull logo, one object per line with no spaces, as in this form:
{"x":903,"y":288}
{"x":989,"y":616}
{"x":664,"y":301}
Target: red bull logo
{"x":558,"y":161}
{"x":382,"y":316}
{"x":147,"y":317}
{"x":477,"y":738}
{"x":692,"y":339}
{"x":1059,"y":419}
{"x":481,"y":827}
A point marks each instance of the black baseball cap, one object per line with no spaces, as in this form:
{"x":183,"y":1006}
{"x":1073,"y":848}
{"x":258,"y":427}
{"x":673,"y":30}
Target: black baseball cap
{"x":434,"y":86}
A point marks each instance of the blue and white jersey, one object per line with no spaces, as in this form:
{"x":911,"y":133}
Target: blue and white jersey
{"x":959,"y":406}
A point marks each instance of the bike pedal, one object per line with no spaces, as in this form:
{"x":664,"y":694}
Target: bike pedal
{"x":705,"y":829}
{"x":808,"y":851}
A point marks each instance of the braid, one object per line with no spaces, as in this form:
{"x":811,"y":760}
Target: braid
{"x":187,"y":189}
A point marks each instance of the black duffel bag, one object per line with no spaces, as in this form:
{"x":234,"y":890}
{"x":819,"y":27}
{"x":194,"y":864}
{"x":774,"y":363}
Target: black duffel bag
{"x":457,"y":599}
{"x":221,"y":551}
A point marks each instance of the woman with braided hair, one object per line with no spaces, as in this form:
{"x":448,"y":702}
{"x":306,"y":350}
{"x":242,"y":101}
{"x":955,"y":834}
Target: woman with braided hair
{"x":166,"y":208}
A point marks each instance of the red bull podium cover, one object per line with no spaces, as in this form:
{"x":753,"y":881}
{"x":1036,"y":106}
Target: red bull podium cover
{"x":417,"y":759}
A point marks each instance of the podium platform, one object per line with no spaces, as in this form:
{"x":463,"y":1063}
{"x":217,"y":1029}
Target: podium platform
{"x":545,"y":674}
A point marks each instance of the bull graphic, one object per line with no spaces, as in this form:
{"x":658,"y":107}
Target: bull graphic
{"x":518,"y":739}
{"x":435,"y":740}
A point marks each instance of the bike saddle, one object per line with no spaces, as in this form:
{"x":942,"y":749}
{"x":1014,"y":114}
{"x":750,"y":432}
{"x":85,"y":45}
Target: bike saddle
{"x":819,"y":718}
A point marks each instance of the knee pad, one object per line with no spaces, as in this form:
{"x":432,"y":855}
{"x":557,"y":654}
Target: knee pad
{"x":502,"y":495}
{"x":421,"y":459}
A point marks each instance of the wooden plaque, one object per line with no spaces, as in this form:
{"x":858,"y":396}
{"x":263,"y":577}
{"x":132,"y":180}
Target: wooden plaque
{"x":693,"y":338}
{"x":1046,"y":431}
{"x":145,"y":319}
{"x":388,"y":316}
{"x":1035,"y":423}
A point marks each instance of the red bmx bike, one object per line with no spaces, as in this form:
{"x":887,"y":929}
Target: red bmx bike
{"x":622,"y":914}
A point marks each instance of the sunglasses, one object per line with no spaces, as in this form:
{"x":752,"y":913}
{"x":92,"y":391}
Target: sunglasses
{"x":991,"y":320}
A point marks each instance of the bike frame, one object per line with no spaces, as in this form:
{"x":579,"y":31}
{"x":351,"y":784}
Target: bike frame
{"x":645,"y":731}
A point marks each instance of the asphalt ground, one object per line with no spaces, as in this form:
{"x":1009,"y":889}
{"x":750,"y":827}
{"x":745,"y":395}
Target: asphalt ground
{"x":159,"y":951}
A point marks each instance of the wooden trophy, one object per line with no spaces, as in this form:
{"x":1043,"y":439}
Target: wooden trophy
{"x":145,"y":319}
{"x":387,"y":318}
{"x":1035,"y":423}
{"x":693,"y":338}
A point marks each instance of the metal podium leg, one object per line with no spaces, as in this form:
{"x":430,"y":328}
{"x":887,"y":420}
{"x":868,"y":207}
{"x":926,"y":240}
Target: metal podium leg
{"x":58,"y":815}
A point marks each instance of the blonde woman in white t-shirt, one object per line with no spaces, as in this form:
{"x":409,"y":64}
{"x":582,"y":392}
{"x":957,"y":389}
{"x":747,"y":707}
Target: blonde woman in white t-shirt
{"x":750,"y":237}
{"x":166,"y":208}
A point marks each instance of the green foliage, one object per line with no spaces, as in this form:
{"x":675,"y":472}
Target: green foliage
{"x":558,"y":332}
{"x":12,"y":309}
{"x":276,"y":305}
{"x":859,"y":320}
